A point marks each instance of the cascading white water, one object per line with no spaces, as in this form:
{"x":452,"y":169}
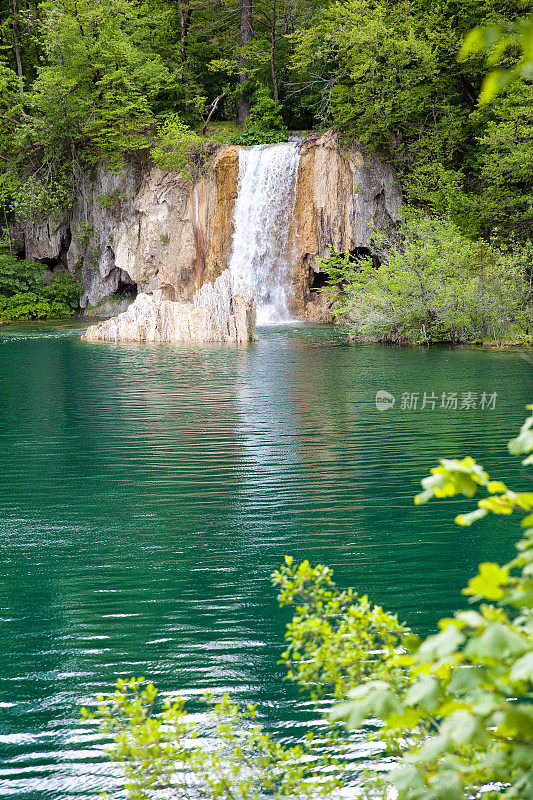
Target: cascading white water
{"x":262,"y":221}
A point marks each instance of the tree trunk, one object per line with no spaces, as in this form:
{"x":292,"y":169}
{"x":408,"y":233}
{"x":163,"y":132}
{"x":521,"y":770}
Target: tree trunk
{"x":272,"y":52}
{"x":16,"y":46}
{"x":246,"y":35}
{"x":214,"y":107}
{"x":183,"y":33}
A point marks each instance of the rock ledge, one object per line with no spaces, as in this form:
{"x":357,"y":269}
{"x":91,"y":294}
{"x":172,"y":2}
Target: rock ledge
{"x":223,"y":311}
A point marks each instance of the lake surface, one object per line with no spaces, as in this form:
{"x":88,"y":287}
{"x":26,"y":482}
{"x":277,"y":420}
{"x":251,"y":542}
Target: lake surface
{"x":147,"y":492}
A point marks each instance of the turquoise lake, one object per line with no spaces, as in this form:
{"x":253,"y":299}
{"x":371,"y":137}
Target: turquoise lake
{"x":147,"y":492}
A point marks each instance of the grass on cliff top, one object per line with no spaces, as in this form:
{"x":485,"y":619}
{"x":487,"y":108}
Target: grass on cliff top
{"x":220,"y":132}
{"x":223,"y":132}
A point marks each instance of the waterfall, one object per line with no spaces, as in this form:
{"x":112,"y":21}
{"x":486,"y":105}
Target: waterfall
{"x":262,"y":222}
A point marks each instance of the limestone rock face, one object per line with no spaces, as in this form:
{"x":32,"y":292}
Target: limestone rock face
{"x":223,"y":311}
{"x":179,"y":235}
{"x":341,"y":195}
{"x":102,"y":211}
{"x":144,"y":230}
{"x":45,"y":240}
{"x":110,"y":307}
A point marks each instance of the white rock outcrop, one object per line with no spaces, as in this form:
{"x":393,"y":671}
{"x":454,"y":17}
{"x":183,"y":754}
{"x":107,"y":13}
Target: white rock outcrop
{"x":223,"y":311}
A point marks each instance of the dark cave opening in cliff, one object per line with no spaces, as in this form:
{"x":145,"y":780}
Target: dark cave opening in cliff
{"x":364,"y":252}
{"x":317,"y":281}
{"x":126,"y":287}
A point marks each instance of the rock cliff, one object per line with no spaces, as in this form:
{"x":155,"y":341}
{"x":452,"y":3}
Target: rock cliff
{"x":342,"y":193}
{"x":142,"y":231}
{"x":222,"y":311}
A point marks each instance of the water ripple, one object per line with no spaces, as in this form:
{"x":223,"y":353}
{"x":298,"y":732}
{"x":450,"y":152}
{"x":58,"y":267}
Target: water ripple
{"x":147,"y":493}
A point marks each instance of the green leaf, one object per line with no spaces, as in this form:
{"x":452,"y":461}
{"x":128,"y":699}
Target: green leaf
{"x":522,"y":670}
{"x":489,"y":581}
{"x":462,"y":727}
{"x":374,"y":699}
{"x":497,"y":504}
{"x":441,"y":644}
{"x":465,"y":679}
{"x":425,"y":691}
{"x":493,"y":84}
{"x":411,"y":642}
{"x":360,"y":692}
{"x":353,"y":714}
{"x":447,"y":785}
{"x":479,"y":39}
{"x":471,"y":619}
{"x":432,"y":749}
{"x":519,"y":720}
{"x":523,"y":443}
{"x":495,"y":487}
{"x":467,"y":519}
{"x":496,"y":642}
{"x":407,"y":779}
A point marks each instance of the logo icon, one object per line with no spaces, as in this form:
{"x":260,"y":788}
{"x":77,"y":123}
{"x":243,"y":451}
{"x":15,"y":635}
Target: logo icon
{"x":384,"y":400}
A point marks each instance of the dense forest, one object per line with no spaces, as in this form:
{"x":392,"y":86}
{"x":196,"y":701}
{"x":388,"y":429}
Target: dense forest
{"x":86,"y":80}
{"x":82,"y":79}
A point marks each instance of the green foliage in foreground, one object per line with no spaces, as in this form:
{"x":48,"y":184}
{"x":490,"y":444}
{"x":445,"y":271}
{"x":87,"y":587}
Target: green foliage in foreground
{"x":456,"y":709}
{"x":350,"y":638}
{"x":464,"y":724}
{"x":433,"y":285}
{"x":161,"y":753}
{"x":24,"y":296}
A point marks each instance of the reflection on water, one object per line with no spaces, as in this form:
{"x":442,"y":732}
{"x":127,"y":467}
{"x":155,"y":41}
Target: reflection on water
{"x":146,"y":494}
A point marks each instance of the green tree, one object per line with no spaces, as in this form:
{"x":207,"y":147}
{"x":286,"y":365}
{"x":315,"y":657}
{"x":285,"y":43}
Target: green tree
{"x":178,"y":148}
{"x":24,"y":295}
{"x":507,"y":159}
{"x":387,"y":74}
{"x":17,"y":39}
{"x":95,"y":96}
{"x":433,"y":285}
{"x":264,"y":124}
{"x":99,"y":86}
